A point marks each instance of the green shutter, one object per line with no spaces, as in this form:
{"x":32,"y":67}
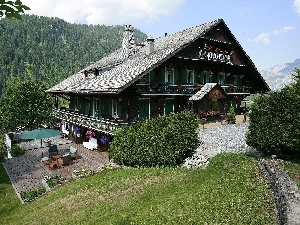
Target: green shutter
{"x":110,"y":102}
{"x":230,"y":79}
{"x":162,"y":78}
{"x":202,"y":77}
{"x":176,"y":76}
{"x":87,"y":106}
{"x":99,"y":108}
{"x":144,"y":108}
{"x":169,"y":106}
{"x":240,"y":81}
{"x":152,"y":76}
{"x":119,"y":110}
{"x":184,"y":77}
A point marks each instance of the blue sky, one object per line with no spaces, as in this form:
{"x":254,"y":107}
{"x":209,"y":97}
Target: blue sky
{"x":268,"y":30}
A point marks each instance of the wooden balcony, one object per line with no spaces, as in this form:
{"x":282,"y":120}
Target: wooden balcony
{"x":232,"y":89}
{"x":102,"y":125}
{"x":166,"y":88}
{"x":184,"y":89}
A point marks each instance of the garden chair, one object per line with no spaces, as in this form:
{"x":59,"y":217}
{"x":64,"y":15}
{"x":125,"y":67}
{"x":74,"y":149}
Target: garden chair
{"x":53,"y":150}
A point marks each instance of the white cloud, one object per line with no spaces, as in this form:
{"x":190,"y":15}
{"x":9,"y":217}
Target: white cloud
{"x":109,"y":12}
{"x":265,"y":37}
{"x":283,"y":30}
{"x":297,"y":5}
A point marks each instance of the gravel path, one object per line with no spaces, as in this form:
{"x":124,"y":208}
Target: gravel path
{"x":225,"y":138}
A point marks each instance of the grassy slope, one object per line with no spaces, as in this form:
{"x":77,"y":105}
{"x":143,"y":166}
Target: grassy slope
{"x":8,"y":198}
{"x":231,"y":190}
{"x":292,"y":167}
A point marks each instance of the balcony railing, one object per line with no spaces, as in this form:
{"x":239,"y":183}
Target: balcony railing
{"x":184,"y":89}
{"x":234,"y":89}
{"x":106,"y":126}
{"x":166,"y":88}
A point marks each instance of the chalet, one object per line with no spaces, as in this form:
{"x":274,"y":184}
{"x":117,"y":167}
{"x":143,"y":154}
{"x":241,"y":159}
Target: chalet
{"x":202,"y":68}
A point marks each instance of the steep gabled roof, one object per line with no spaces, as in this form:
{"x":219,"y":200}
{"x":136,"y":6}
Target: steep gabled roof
{"x":126,"y":70}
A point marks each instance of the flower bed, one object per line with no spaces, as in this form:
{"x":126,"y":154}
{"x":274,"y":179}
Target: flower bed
{"x":81,"y":173}
{"x":31,"y":195}
{"x":54,"y":181}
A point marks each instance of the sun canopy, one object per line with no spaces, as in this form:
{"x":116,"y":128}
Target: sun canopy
{"x":39,"y":134}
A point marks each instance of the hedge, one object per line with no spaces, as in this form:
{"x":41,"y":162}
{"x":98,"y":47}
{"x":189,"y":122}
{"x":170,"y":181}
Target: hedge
{"x":275,"y":122}
{"x":162,"y":141}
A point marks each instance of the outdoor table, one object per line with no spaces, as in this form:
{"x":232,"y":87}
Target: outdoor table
{"x":56,"y":157}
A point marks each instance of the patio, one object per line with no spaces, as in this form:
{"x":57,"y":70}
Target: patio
{"x":26,"y":172}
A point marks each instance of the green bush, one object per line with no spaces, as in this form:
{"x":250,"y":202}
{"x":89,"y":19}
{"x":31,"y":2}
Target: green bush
{"x":16,"y":150}
{"x":233,"y":114}
{"x":3,"y":152}
{"x":31,"y":195}
{"x":161,"y":141}
{"x":275,"y":122}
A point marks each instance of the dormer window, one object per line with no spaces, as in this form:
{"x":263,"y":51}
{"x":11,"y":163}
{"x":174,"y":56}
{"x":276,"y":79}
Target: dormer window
{"x":169,"y":75}
{"x":190,"y":77}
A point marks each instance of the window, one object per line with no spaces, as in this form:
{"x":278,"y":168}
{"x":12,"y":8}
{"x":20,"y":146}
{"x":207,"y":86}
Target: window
{"x":169,"y":75}
{"x":208,"y":77}
{"x":222,"y":78}
{"x":95,"y":109}
{"x":190,"y":77}
{"x":116,"y":108}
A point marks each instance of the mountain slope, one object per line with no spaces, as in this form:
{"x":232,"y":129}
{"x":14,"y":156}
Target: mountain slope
{"x":280,"y":75}
{"x":51,"y":49}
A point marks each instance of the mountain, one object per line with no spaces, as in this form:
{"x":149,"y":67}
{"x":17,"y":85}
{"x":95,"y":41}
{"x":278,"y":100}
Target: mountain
{"x":51,"y":49}
{"x":281,"y":75}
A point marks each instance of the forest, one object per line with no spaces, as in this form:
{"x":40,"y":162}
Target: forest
{"x":51,"y":49}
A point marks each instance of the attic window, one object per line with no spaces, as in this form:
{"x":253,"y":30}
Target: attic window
{"x":92,"y":73}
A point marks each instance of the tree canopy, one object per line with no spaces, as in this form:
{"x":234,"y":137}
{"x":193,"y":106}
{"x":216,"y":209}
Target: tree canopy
{"x":25,"y":105}
{"x":12,"y":9}
{"x":50,"y":49}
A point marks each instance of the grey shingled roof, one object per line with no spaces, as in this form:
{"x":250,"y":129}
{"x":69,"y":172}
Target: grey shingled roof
{"x":203,"y":91}
{"x":126,"y":70}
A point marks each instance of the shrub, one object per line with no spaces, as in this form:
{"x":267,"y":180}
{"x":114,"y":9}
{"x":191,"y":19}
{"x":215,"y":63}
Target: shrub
{"x":233,"y":114}
{"x":3,"y":151}
{"x":31,"y":195}
{"x":16,"y":150}
{"x":161,"y":141}
{"x":274,"y":122}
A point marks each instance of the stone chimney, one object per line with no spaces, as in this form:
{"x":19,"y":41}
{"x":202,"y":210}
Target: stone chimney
{"x":149,"y":45}
{"x":128,"y":40}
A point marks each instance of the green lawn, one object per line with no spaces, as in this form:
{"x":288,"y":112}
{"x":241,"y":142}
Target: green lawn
{"x":292,"y":167}
{"x":8,"y":198}
{"x":231,"y":190}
